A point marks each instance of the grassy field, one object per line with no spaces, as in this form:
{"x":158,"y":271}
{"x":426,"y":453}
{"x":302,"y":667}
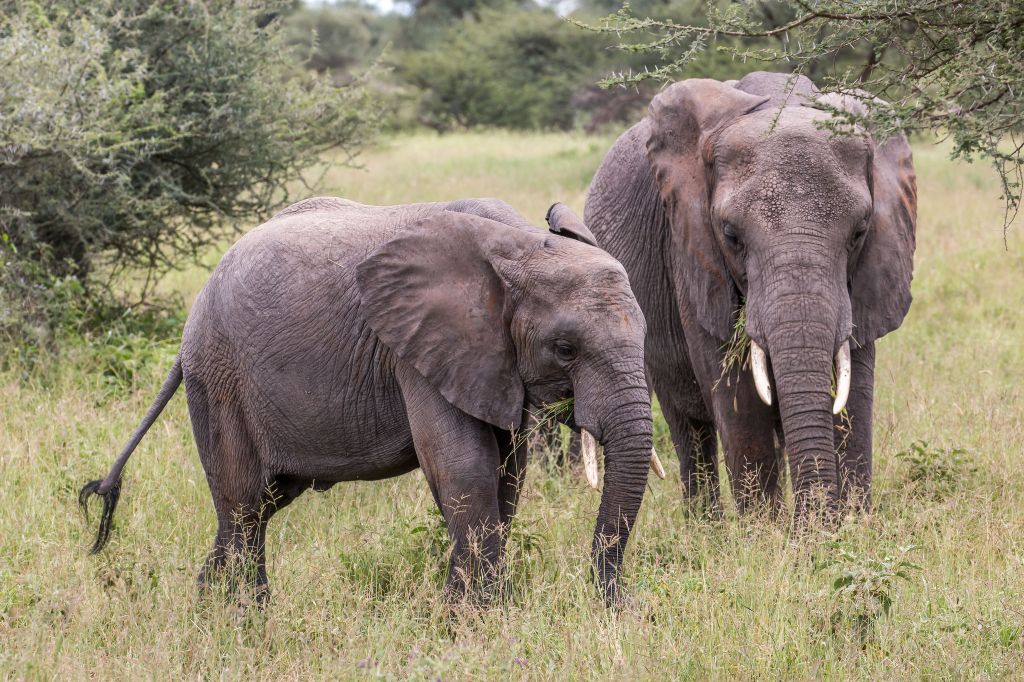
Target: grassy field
{"x":355,"y":572}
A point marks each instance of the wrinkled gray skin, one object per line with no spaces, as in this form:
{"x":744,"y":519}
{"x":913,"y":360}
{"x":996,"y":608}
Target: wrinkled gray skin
{"x":731,"y":192}
{"x":341,"y":342}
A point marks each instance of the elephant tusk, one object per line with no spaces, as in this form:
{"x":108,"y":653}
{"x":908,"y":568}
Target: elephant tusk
{"x":588,"y":453}
{"x":759,"y":365}
{"x":656,"y":464}
{"x":842,"y":377}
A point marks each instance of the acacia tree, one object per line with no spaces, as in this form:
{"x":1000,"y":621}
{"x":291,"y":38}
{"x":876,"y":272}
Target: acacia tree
{"x":954,"y":67}
{"x":133,"y":134}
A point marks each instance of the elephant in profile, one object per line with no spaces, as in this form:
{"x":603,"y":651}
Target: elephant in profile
{"x":736,"y":208}
{"x":342,"y":342}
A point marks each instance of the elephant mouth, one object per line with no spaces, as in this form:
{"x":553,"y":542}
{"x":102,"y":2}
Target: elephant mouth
{"x":762,"y":382}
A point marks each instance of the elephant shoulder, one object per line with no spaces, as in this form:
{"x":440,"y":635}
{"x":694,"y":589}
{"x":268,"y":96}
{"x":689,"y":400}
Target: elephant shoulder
{"x":623,"y":208}
{"x":623,"y":174}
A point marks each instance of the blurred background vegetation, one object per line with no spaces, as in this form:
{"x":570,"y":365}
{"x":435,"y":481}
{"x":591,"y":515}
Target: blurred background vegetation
{"x":135,"y":135}
{"x":516,"y":64}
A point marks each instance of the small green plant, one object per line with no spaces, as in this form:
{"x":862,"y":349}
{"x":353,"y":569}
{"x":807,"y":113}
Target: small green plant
{"x":934,"y":471}
{"x":863,"y":587}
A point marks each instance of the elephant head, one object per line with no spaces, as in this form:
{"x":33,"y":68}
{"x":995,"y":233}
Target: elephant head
{"x":495,"y":316}
{"x":811,"y":230}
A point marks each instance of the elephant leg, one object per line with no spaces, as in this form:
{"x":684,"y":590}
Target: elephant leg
{"x":459,"y":456}
{"x":697,"y":449}
{"x":511,"y":476}
{"x":241,"y":496}
{"x":854,"y":431}
{"x":747,"y":429}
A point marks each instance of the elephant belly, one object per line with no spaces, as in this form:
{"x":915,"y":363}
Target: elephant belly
{"x":334,"y":446}
{"x":331,"y":426}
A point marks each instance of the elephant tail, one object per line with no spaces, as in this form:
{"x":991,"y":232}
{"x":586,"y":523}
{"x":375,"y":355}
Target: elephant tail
{"x":109,"y":488}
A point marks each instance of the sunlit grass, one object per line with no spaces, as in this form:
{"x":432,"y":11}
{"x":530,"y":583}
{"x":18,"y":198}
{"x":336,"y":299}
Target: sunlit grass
{"x":356,"y":590}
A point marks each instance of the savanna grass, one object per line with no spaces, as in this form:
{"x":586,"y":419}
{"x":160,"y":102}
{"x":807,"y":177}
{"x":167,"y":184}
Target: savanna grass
{"x":356,"y":591}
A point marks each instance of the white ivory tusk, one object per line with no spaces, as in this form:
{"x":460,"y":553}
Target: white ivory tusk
{"x":759,"y":366}
{"x":842,"y":377}
{"x":588,"y":453}
{"x":656,"y":464}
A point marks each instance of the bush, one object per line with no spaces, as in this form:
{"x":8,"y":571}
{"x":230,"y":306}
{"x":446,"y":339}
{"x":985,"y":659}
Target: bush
{"x":34,"y":304}
{"x":41,"y":312}
{"x":525,"y":78}
{"x":341,"y":39}
{"x":134,"y":134}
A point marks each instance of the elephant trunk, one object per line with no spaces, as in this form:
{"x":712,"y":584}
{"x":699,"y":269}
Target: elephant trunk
{"x":802,"y":367}
{"x":621,"y":421}
{"x":803,"y":321}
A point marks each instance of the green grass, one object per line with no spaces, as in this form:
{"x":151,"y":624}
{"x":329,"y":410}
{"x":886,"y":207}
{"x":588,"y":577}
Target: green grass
{"x":355,"y":572}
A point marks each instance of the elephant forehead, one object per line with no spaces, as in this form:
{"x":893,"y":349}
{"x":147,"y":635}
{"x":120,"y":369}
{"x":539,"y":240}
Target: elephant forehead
{"x":793,"y":139}
{"x":584,"y":281}
{"x":791,"y":173}
{"x":782,"y":195}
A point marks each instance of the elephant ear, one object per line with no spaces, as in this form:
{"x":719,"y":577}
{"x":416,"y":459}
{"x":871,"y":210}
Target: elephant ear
{"x":880,"y":279}
{"x":434,"y":295}
{"x":564,"y":222}
{"x":680,"y":122}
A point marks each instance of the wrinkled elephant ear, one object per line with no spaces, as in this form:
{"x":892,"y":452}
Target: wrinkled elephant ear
{"x":880,"y":279}
{"x":434,"y":296}
{"x":564,"y":222}
{"x":681,"y":120}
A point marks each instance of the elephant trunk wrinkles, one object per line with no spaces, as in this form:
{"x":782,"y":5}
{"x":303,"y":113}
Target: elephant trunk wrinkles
{"x":800,"y":348}
{"x":626,"y":433}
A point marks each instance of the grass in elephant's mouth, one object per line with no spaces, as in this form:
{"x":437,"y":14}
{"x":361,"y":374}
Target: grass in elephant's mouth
{"x":560,"y":409}
{"x":545,"y":416}
{"x":737,"y":348}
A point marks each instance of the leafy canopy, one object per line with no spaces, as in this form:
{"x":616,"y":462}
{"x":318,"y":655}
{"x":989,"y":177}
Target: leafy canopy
{"x":945,"y":66}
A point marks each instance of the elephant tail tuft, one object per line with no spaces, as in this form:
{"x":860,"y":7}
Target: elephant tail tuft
{"x":110,"y":498}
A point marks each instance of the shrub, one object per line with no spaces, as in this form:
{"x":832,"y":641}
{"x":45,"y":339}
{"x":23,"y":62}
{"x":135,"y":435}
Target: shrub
{"x":524,"y":79}
{"x":134,"y":134}
{"x":41,"y":311}
{"x":342,"y":39}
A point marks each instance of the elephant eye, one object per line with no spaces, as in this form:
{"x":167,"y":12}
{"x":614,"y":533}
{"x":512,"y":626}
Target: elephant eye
{"x":565,"y":351}
{"x":860,"y":232}
{"x":732,"y":237}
